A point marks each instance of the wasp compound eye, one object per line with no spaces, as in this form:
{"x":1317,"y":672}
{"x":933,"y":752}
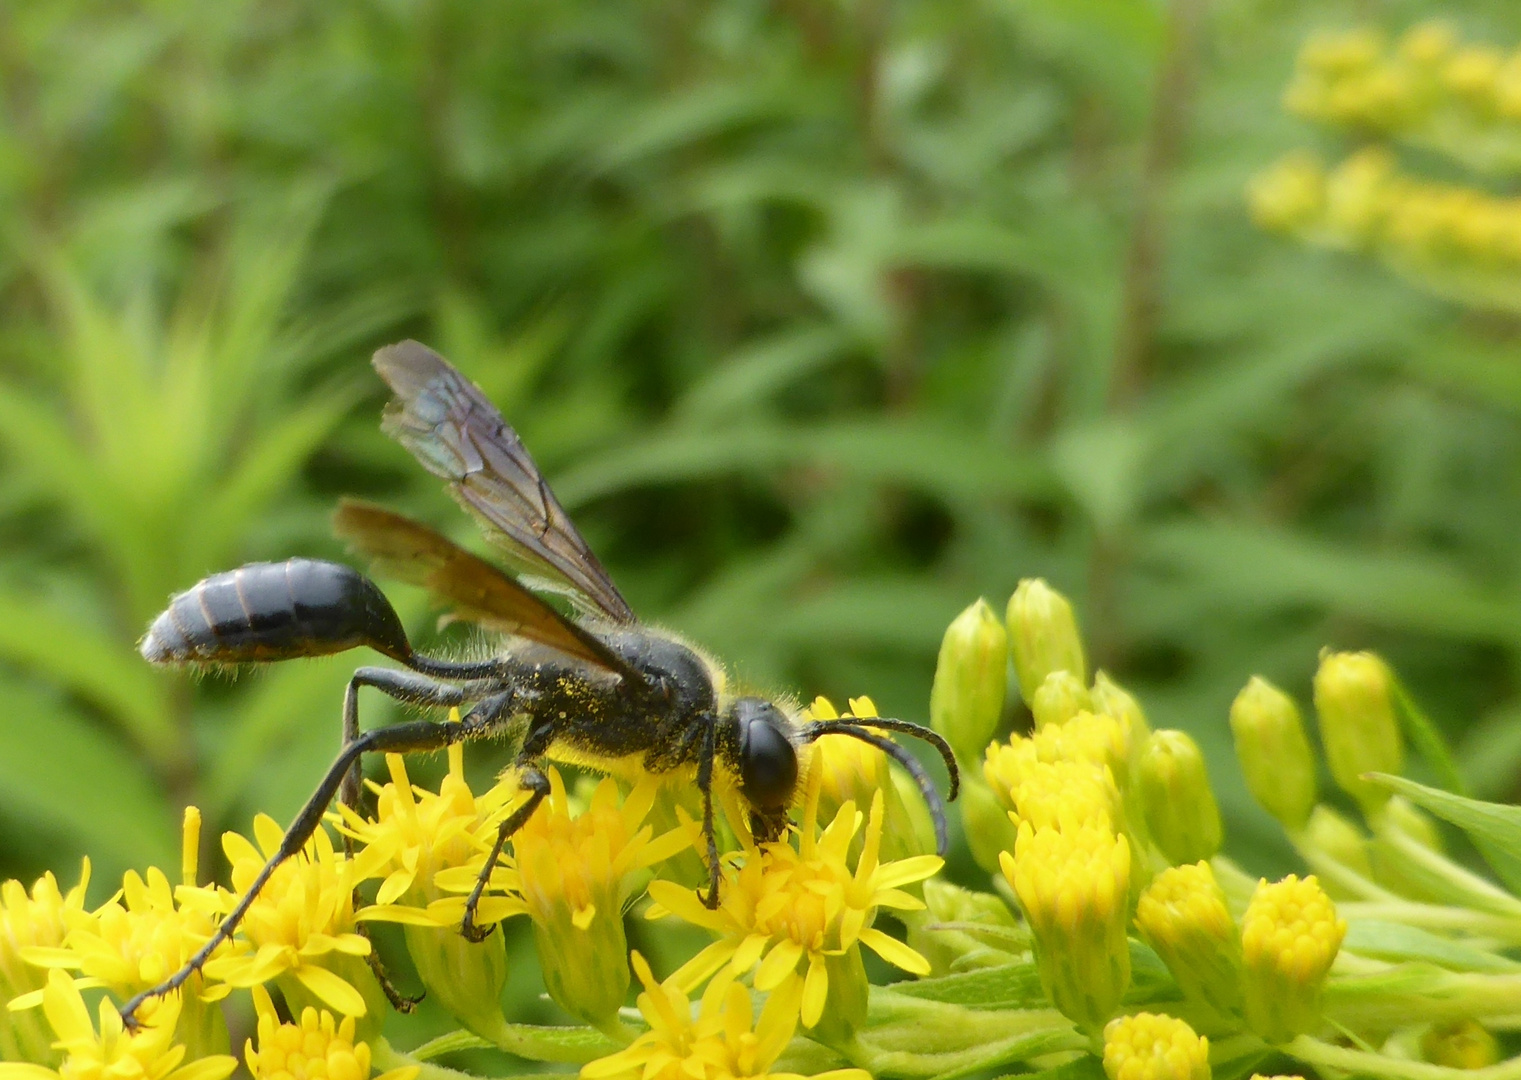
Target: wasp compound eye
{"x":767,"y":759}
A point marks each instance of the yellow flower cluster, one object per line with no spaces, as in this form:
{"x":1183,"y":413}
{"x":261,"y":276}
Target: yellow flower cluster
{"x":1425,"y":87}
{"x":1429,"y":91}
{"x":1104,"y":828}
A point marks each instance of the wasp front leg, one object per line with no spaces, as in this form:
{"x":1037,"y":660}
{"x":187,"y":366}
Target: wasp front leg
{"x":709,"y":833}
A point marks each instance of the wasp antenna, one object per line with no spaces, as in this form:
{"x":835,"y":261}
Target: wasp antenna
{"x":915,"y":767}
{"x":908,"y":727}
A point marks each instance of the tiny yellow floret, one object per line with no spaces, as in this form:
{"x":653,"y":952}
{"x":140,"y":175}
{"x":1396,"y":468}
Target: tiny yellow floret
{"x":1149,"y":1046}
{"x":317,"y":1048}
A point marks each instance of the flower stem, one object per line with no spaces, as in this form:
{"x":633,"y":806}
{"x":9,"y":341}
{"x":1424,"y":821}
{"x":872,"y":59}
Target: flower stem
{"x":1361,"y":1062}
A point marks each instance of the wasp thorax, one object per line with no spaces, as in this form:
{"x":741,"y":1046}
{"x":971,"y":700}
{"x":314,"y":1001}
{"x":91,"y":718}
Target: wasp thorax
{"x":767,"y":758}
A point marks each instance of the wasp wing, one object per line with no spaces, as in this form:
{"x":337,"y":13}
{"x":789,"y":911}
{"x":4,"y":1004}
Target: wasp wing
{"x":480,"y":593}
{"x":457,"y":434}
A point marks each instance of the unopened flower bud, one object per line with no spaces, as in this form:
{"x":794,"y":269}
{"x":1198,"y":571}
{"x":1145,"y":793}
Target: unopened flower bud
{"x":1043,"y":636}
{"x":1462,"y":1044}
{"x":1060,"y":697}
{"x":1357,"y":723}
{"x":1176,"y":798}
{"x":1335,"y":835}
{"x":465,"y":977}
{"x":985,"y":822}
{"x":971,"y":676}
{"x":949,"y":931}
{"x":1274,"y":753}
{"x":1112,"y":699}
{"x":1182,"y":915}
{"x":1290,"y":936}
{"x":1152,"y":1046}
{"x":1074,"y":888}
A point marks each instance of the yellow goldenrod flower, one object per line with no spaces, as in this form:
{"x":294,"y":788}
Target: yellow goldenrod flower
{"x":1073,"y":885}
{"x":318,"y":1048}
{"x":799,"y":916}
{"x":112,"y":1053}
{"x":1290,"y":196}
{"x":301,"y":925}
{"x":1274,"y":752}
{"x":1065,"y":795}
{"x":1181,"y":814}
{"x":415,"y":835}
{"x":1463,"y":1044}
{"x":1060,"y":697}
{"x":143,"y":935}
{"x":853,"y":771}
{"x":1096,"y":738}
{"x":1148,"y":1046}
{"x":1043,"y":636}
{"x":722,"y":1042}
{"x":971,"y":679}
{"x":1182,"y":915}
{"x":29,"y":923}
{"x":1289,"y":937}
{"x":573,"y":875}
{"x":1357,"y":723}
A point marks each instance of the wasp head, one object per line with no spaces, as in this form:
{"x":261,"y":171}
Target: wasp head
{"x":767,"y":764}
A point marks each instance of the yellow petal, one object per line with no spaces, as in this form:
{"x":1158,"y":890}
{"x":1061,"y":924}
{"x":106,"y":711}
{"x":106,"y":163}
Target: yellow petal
{"x":20,"y":1071}
{"x":914,"y":868}
{"x":394,"y":885}
{"x":268,"y":833}
{"x":215,"y":1067}
{"x":780,"y":962}
{"x":65,"y":1009}
{"x":331,"y":989}
{"x":702,"y":966}
{"x":815,"y":992}
{"x":894,"y":951}
{"x":395,"y":913}
{"x":684,"y":904}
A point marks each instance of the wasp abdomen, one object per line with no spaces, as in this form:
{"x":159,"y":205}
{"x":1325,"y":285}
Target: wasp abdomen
{"x":275,"y":611}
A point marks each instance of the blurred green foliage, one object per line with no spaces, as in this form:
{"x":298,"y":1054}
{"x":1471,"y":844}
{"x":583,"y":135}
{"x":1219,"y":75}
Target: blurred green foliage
{"x":823,"y":317}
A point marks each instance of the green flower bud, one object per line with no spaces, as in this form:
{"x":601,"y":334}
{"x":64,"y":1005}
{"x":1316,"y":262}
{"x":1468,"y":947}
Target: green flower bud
{"x":1043,"y":636}
{"x":1333,"y":834}
{"x":1274,"y":753}
{"x":1176,"y":798}
{"x":966,"y":701}
{"x":1061,"y":696}
{"x":1461,"y":1044}
{"x":967,"y":946}
{"x":465,"y":977}
{"x":1357,"y":723}
{"x":1112,"y":699}
{"x":985,"y":822}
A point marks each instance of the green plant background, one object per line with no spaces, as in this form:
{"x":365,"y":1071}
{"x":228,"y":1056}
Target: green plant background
{"x":823,"y":316}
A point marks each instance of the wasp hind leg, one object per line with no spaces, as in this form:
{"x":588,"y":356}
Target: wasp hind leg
{"x":398,"y":738}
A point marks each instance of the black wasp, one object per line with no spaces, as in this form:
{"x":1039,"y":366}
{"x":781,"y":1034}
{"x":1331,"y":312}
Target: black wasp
{"x":598,"y":687}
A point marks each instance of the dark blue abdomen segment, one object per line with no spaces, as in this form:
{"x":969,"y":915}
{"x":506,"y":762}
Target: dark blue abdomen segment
{"x":275,"y":611}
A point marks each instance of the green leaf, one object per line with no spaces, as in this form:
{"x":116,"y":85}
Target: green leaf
{"x":1428,"y":740}
{"x":1086,"y":1067}
{"x":60,"y":772}
{"x":1010,"y":986}
{"x":568,"y":1045}
{"x":931,"y":457}
{"x":1494,"y":828}
{"x":1398,"y":942}
{"x":98,"y":667}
